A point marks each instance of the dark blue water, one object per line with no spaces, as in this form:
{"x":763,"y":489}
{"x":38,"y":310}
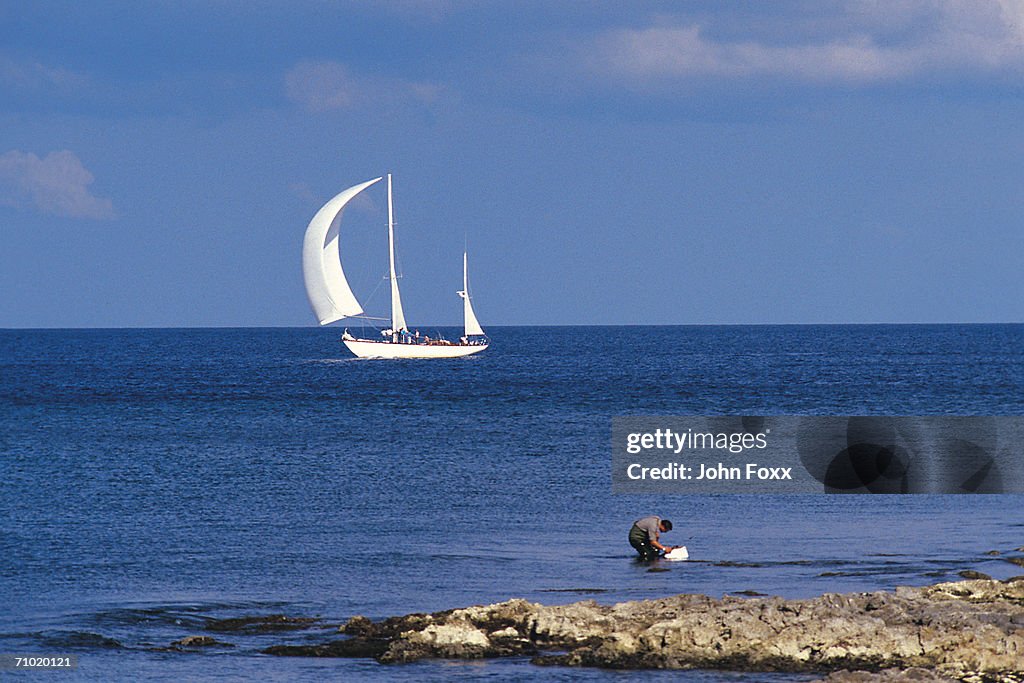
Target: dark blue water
{"x":153,"y":480}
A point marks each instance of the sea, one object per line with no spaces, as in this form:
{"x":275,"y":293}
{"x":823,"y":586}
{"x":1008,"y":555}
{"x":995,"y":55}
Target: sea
{"x":154,"y":481}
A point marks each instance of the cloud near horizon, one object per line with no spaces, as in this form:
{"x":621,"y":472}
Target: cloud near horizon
{"x":57,"y":184}
{"x":974,"y":35}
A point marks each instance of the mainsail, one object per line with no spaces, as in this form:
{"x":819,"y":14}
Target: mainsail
{"x":472,"y":324}
{"x":328,"y":290}
{"x":397,"y":315}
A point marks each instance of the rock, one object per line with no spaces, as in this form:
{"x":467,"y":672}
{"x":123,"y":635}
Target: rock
{"x":390,"y":627}
{"x":78,"y":639}
{"x":950,"y":629}
{"x":993,"y":553}
{"x":268,"y":623}
{"x":350,"y":647}
{"x":192,"y":644}
{"x":913,"y":674}
{"x":357,"y":626}
{"x":971,"y":574}
{"x":507,"y":632}
{"x":199,"y":641}
{"x":1019,"y":561}
{"x":451,"y":641}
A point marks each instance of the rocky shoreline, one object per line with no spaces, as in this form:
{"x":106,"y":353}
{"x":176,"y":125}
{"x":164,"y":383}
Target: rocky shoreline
{"x":967,"y":630}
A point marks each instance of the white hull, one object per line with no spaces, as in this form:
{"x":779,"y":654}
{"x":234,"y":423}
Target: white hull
{"x":375,"y":349}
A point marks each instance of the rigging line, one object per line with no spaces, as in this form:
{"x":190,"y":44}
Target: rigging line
{"x":369,"y":297}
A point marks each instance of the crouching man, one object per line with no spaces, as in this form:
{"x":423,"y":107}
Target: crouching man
{"x":643,"y":536}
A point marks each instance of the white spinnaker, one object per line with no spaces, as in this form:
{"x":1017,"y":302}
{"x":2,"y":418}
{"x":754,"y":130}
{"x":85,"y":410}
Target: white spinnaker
{"x":328,"y":290}
{"x":397,"y":315}
{"x":472,"y":324}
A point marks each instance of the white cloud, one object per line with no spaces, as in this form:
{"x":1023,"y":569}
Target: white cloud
{"x":682,"y":52}
{"x":37,"y":76}
{"x":321,"y":86}
{"x":330,"y":86}
{"x":57,"y":184}
{"x":865,"y":42}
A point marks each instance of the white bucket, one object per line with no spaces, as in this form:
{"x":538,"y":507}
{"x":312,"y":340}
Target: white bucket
{"x":680,"y":553}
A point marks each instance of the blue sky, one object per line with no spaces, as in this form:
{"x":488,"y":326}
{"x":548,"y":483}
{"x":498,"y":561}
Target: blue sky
{"x":620,"y":163}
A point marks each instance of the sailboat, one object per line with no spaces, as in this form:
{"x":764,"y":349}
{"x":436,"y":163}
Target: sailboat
{"x":332,"y":298}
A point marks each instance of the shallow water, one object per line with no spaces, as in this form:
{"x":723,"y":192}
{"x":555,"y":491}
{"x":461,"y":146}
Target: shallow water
{"x":157,"y":479}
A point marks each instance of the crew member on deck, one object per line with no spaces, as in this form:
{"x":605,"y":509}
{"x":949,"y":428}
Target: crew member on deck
{"x":643,"y":536}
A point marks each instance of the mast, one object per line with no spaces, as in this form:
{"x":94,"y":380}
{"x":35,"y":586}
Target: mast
{"x":472,"y":325}
{"x":397,"y":315}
